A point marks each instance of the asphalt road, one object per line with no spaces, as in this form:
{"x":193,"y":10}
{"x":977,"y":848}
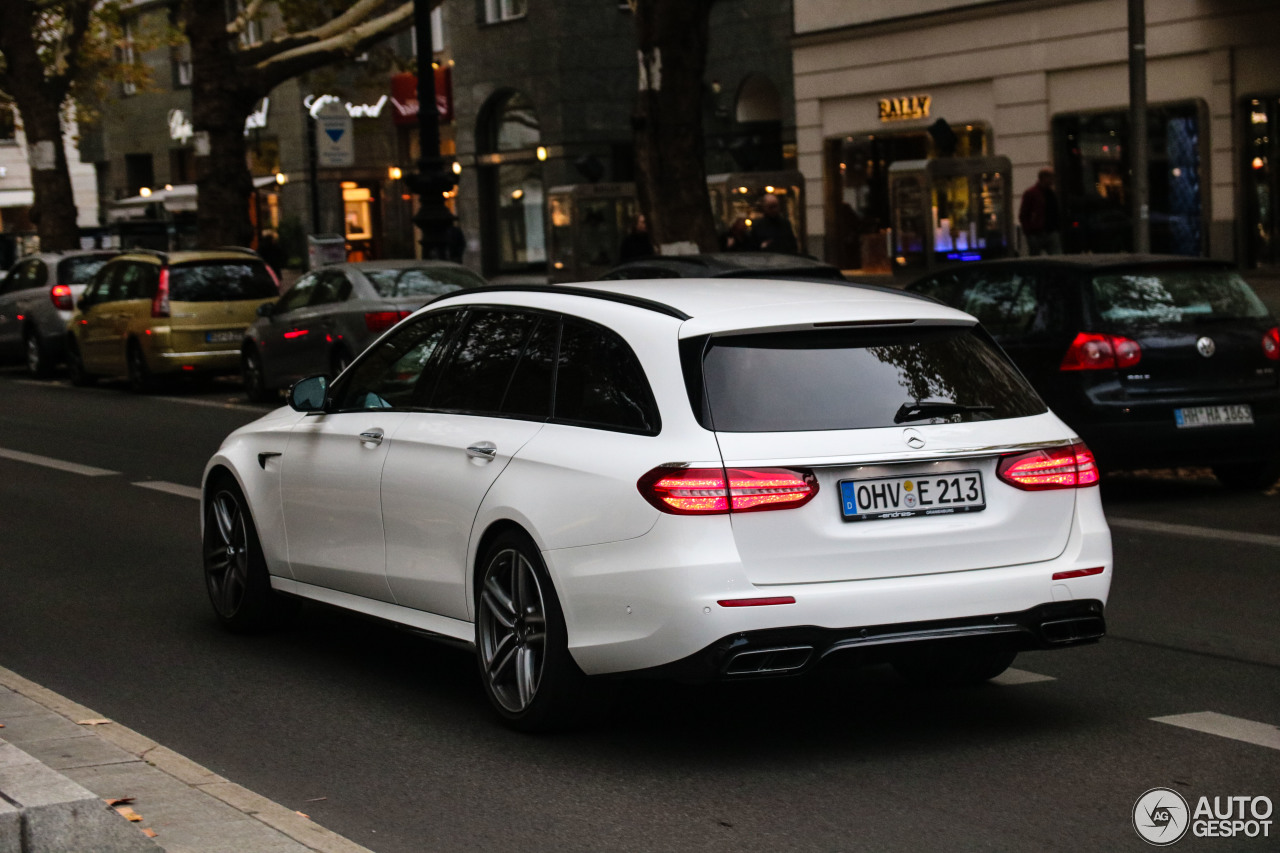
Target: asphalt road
{"x":101,"y":599}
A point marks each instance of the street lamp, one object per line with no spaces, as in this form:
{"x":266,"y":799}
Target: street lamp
{"x":433,"y":178}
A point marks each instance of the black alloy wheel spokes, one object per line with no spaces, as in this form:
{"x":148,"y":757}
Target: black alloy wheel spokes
{"x":226,"y":554}
{"x":513,"y":635}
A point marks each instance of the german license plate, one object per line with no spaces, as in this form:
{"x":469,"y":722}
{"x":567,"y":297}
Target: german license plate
{"x":1203,"y":416}
{"x":226,"y":336}
{"x":905,"y":497}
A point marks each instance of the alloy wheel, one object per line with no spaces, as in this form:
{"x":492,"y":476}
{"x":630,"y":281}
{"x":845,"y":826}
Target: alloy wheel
{"x":37,"y":364}
{"x":513,"y":630}
{"x":226,"y":554}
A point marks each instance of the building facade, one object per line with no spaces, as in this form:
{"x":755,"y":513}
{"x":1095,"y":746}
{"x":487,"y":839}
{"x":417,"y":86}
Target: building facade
{"x":1043,"y":83}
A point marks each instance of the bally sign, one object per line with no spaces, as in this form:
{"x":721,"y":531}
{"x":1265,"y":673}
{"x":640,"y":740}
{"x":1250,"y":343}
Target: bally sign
{"x":902,"y":109}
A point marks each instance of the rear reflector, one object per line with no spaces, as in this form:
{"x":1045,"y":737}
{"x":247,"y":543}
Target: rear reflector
{"x":710,"y":491}
{"x":1050,"y":468}
{"x":1094,"y":351}
{"x":757,"y":602}
{"x":1271,"y":343}
{"x":61,"y":296}
{"x":380,"y":321}
{"x":1077,"y":573}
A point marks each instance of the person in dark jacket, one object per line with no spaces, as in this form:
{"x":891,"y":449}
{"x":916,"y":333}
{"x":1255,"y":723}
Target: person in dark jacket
{"x":772,"y":232}
{"x":1039,"y":217}
{"x":637,"y":243}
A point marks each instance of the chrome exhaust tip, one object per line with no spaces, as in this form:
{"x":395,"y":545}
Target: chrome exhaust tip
{"x":775,"y":661}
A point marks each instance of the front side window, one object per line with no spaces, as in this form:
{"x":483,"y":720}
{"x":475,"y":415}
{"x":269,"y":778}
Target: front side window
{"x":398,"y":371}
{"x":435,"y":281}
{"x":600,"y":383}
{"x":299,"y":295}
{"x":855,"y":379}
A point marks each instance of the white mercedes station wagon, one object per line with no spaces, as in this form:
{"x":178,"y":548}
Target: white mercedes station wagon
{"x":701,"y":479}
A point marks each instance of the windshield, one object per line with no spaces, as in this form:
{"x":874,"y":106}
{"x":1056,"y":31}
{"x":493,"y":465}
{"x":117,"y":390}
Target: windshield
{"x":856,"y":379}
{"x":433,"y":281}
{"x":221,"y":281}
{"x":1174,"y":297}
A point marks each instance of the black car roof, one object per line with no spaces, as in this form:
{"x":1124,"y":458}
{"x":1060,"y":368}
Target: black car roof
{"x":714,"y":264}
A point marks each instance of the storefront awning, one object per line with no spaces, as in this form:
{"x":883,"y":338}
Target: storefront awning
{"x":176,"y":199}
{"x":17,"y":198}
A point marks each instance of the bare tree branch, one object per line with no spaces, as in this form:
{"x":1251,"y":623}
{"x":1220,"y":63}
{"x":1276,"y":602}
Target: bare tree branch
{"x":348,"y":41}
{"x":242,"y":20}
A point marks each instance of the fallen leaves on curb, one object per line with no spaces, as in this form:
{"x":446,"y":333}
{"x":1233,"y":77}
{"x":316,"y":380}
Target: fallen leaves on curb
{"x":128,"y":814}
{"x":119,"y":801}
{"x":301,"y":814}
{"x":149,"y":833}
{"x":92,"y":722}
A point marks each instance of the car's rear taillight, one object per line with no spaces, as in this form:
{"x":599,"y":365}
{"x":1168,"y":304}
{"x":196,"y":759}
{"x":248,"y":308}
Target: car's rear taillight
{"x":160,"y":302}
{"x":1095,"y":351}
{"x":1044,"y":468}
{"x":61,"y":296}
{"x":710,"y":491}
{"x":1271,"y":343}
{"x":380,"y":321}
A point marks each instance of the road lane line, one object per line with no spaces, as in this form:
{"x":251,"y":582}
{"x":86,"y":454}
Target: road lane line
{"x":1190,"y":530}
{"x":1012,"y":677}
{"x":171,"y":488}
{"x":1210,"y":722}
{"x":45,"y":461}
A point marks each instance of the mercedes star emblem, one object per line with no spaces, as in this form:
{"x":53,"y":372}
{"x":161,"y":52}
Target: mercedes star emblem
{"x":913,"y":439}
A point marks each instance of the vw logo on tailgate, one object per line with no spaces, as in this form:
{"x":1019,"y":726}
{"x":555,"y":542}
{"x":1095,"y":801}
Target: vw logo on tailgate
{"x":1206,"y":347}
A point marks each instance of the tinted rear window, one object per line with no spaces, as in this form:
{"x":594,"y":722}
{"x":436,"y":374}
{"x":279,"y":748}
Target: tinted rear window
{"x":1175,"y":297}
{"x":221,"y":281}
{"x":421,"y":282}
{"x":856,"y":379}
{"x":79,"y":270}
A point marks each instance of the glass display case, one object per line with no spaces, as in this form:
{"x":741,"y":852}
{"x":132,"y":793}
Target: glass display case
{"x":588,"y":223}
{"x":948,"y":210}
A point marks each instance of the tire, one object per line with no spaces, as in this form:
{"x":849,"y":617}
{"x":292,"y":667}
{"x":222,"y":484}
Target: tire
{"x":39,"y":359}
{"x":522,"y":648}
{"x":235,"y":570}
{"x":255,"y":383}
{"x":954,"y":666}
{"x":141,"y":379}
{"x":1256,"y":476}
{"x":75,"y":366}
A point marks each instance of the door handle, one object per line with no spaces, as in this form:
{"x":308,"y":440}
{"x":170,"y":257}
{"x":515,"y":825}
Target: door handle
{"x":372,"y":436}
{"x":483,"y":450}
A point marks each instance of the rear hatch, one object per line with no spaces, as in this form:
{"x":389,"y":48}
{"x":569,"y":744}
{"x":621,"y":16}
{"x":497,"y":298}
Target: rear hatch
{"x":903,"y":428}
{"x":1199,"y":332}
{"x":212,"y":302}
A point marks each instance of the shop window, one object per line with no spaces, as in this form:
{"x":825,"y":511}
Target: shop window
{"x":1261,"y":181}
{"x":503,"y":10}
{"x":1092,"y":154}
{"x":511,"y":186}
{"x":360,"y":221}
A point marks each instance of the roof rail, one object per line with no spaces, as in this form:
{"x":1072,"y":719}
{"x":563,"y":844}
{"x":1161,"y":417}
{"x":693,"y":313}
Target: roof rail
{"x":139,"y":250}
{"x":608,"y":296}
{"x":244,"y":250}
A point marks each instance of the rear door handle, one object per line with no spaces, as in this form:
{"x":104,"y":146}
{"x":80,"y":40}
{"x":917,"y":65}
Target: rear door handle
{"x":483,"y":450}
{"x":372,"y":436}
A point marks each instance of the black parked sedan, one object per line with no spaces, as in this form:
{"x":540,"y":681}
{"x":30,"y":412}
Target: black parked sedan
{"x":1156,"y":361}
{"x":330,"y":315}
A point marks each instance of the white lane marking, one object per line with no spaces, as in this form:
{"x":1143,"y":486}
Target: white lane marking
{"x":1012,"y":677}
{"x":171,"y":488}
{"x":1190,"y":530}
{"x":72,"y":467}
{"x":212,"y":404}
{"x":1211,"y":722}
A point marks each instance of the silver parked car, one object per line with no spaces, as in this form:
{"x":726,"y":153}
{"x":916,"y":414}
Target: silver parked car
{"x":331,"y":314}
{"x":37,"y":297}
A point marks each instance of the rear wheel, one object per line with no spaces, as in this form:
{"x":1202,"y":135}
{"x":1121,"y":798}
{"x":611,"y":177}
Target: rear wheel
{"x":532,"y":682}
{"x":1249,"y":476}
{"x":235,"y":570}
{"x":255,"y":383}
{"x":75,"y":366}
{"x":141,"y":378}
{"x":39,"y":359}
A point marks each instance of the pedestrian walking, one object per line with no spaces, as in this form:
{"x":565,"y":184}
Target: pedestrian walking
{"x":1040,"y":218}
{"x":771,"y":231}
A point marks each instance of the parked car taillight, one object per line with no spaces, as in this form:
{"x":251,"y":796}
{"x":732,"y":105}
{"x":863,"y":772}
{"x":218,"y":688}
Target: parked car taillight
{"x":160,"y":302}
{"x":380,"y":321}
{"x":713,"y":491}
{"x":61,"y":296}
{"x":1095,"y":351}
{"x":1271,"y":343}
{"x":1050,"y":468}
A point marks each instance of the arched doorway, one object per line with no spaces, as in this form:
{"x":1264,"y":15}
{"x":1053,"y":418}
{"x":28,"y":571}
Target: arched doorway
{"x":757,"y":143}
{"x":511,"y":185}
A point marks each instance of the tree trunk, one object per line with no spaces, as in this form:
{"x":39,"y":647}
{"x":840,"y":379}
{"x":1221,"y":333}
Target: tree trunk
{"x":222,"y":96}
{"x":671,"y":179}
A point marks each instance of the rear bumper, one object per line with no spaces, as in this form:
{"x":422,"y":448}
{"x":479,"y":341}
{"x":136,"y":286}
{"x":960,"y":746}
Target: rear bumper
{"x":218,"y":361}
{"x":789,"y":651}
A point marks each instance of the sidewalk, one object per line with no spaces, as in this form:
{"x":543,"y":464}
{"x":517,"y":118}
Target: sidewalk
{"x":60,"y":761}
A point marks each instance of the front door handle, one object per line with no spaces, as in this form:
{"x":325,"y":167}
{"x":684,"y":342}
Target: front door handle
{"x":372,"y":436}
{"x":483,"y":450}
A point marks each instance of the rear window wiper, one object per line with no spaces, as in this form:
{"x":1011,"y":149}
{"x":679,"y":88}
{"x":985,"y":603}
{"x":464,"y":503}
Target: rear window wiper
{"x":920,"y":411}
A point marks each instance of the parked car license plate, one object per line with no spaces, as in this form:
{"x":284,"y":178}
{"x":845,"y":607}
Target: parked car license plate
{"x":904,"y":497}
{"x":1201,"y":416}
{"x":226,"y":336}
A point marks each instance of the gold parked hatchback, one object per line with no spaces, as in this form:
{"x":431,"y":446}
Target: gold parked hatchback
{"x":148,"y":315}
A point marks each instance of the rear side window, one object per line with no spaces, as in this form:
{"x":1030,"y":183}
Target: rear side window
{"x":220,"y":281}
{"x":79,"y":269}
{"x":433,"y":281}
{"x":1174,"y":297}
{"x":855,"y":379}
{"x":600,"y":382}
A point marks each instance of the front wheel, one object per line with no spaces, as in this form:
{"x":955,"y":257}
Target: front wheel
{"x":255,"y":383}
{"x":141,"y":379}
{"x":1256,"y":476}
{"x":235,"y":570}
{"x":531,"y":680}
{"x":75,"y":366}
{"x":39,"y":360}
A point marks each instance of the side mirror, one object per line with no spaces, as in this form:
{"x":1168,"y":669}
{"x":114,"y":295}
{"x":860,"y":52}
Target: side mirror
{"x":266,"y":309}
{"x":308,"y":395}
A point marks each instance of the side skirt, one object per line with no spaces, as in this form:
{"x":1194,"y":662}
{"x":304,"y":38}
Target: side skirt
{"x":454,"y":629}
